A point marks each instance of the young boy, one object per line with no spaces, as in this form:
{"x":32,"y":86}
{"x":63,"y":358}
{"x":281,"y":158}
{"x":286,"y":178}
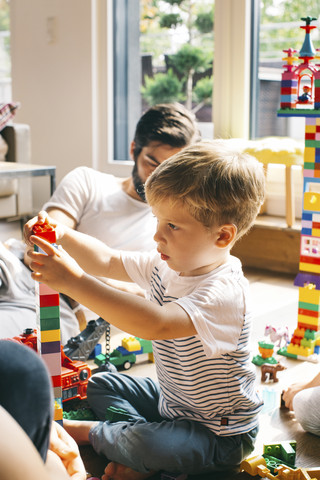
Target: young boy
{"x":203,"y":414}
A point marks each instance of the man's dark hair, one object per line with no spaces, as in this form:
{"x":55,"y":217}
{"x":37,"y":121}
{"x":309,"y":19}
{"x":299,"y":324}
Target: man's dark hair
{"x":170,"y":124}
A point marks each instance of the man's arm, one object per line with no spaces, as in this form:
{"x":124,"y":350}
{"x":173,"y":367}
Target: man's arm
{"x":62,"y":216}
{"x":290,"y":393}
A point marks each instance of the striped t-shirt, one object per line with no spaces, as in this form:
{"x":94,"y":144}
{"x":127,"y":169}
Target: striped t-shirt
{"x":207,"y":377}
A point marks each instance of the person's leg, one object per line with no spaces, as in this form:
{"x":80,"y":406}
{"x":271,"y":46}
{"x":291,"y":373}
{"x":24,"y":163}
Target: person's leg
{"x":176,"y":446}
{"x":306,"y":408}
{"x":26,"y":392}
{"x":147,"y":442}
{"x":137,"y":395}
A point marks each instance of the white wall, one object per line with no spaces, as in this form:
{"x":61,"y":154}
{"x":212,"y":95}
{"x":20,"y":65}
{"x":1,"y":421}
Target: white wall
{"x":53,"y":78}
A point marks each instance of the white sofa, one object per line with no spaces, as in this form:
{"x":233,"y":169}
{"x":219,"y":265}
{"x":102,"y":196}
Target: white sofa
{"x":15,"y":194}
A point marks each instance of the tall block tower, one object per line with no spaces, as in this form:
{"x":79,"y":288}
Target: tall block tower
{"x":48,"y":326}
{"x":303,"y":100}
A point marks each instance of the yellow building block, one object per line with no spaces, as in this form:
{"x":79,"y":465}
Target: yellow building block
{"x":310,"y":129}
{"x":297,"y":350}
{"x":316,"y":232}
{"x":131,"y":344}
{"x":311,"y":201}
{"x":309,"y":267}
{"x":309,"y":155}
{"x":315,"y":322}
{"x":309,"y":295}
{"x":50,"y":336}
{"x":58,"y":412}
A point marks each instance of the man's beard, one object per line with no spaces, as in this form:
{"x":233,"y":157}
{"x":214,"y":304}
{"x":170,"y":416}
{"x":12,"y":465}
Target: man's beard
{"x":138,"y":183}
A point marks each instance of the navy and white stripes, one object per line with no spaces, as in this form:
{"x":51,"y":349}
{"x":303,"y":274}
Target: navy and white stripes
{"x":199,"y":379}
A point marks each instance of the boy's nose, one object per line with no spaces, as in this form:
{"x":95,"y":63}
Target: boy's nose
{"x":157,"y":236}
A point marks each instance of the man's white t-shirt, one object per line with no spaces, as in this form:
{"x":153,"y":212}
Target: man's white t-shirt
{"x":103,"y":210}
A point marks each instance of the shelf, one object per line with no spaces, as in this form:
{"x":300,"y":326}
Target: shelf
{"x":270,"y":245}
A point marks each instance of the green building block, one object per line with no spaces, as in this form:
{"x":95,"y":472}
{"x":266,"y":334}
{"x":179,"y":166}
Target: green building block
{"x":285,"y":452}
{"x":258,"y":360}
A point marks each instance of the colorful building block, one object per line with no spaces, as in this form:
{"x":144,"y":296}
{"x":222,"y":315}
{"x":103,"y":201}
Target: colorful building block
{"x":307,"y":104}
{"x":48,"y":326}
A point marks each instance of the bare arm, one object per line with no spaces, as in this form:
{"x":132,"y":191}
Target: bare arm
{"x":91,"y":254}
{"x":128,"y":312}
{"x":20,"y":459}
{"x":68,"y":220}
{"x":63,"y":217}
{"x":290,"y":393}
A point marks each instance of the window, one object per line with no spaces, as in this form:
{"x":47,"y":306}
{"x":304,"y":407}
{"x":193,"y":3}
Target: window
{"x":5,"y":61}
{"x":160,"y":33}
{"x":177,"y":50}
{"x":280,"y":22}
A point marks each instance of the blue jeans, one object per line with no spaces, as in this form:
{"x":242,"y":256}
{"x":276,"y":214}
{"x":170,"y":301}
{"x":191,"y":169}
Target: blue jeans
{"x":147,"y":442}
{"x":26,"y":392}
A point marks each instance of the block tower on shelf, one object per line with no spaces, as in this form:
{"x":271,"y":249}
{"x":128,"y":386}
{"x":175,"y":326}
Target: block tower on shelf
{"x":48,"y":326}
{"x":300,"y":97}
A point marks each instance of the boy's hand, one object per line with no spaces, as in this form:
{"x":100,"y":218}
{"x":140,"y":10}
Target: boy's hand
{"x":41,"y":219}
{"x":55,"y":267}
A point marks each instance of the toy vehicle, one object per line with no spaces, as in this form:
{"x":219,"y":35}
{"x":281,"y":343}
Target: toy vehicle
{"x":124,"y":356}
{"x":74,"y":374}
{"x":80,"y":347}
{"x":74,"y":378}
{"x":28,"y":337}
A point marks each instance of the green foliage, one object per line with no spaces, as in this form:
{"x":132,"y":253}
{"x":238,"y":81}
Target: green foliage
{"x":203,"y":90}
{"x":162,"y":88}
{"x":170,"y":20}
{"x":189,"y":58}
{"x":174,"y":2}
{"x":193,"y":21}
{"x":204,"y":22}
{"x":4,"y":16}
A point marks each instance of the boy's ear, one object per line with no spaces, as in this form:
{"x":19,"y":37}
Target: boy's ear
{"x":226,"y":235}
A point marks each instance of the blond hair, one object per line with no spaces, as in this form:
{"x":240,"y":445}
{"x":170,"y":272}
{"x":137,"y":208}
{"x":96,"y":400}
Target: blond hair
{"x":216,"y":184}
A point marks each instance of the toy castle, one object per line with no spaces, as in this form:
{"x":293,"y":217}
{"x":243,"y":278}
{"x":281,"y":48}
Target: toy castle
{"x":300,"y":96}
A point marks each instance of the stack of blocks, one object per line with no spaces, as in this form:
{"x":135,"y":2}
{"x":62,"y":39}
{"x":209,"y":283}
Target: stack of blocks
{"x":48,"y":326}
{"x":305,"y":341}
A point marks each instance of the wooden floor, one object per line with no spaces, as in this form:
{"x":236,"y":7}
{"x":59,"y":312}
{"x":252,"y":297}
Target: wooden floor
{"x":275,"y":302}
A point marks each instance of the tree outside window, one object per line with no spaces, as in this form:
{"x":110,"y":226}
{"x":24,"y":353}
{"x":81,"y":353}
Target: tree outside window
{"x":177,"y":49}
